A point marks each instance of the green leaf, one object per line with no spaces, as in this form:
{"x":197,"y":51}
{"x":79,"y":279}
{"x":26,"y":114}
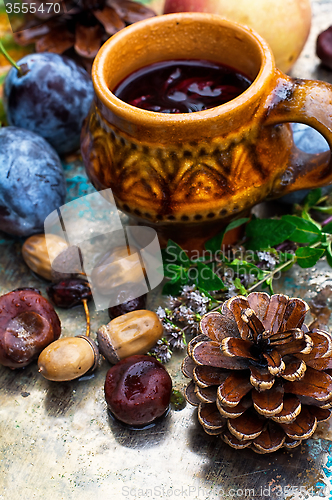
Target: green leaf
{"x":312,"y":198}
{"x":173,"y":270}
{"x":206,"y":293}
{"x":199,"y":259}
{"x":327,"y":228}
{"x":285,"y":257}
{"x":307,"y":256}
{"x":325,"y":210}
{"x":324,"y":243}
{"x":305,"y":215}
{"x":2,"y":78}
{"x":240,"y":287}
{"x":264,"y":233}
{"x":211,"y":265}
{"x":173,"y":253}
{"x":305,"y":232}
{"x":172,"y":288}
{"x":329,"y":255}
{"x":244,"y":267}
{"x":214,"y":244}
{"x":236,"y":223}
{"x":208,"y":280}
{"x":269,"y":282}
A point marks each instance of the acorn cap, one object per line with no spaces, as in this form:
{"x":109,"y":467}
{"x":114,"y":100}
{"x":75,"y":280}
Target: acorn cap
{"x":105,"y":347}
{"x":95,"y":350}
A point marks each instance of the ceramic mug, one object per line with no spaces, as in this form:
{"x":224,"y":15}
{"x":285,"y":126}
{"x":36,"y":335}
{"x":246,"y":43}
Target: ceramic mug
{"x":188,"y":174}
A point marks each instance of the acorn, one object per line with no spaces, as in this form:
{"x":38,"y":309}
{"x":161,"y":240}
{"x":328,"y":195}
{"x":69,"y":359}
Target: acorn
{"x":132,"y":333}
{"x":70,"y":357}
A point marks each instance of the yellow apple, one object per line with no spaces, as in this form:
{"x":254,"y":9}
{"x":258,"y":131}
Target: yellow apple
{"x":285,"y":24}
{"x":156,"y":5}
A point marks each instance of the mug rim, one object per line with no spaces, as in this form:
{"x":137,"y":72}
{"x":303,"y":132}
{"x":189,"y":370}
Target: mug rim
{"x":134,"y":114}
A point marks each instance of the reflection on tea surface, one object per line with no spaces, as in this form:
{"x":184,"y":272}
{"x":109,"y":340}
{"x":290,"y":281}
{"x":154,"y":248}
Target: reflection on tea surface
{"x":182,"y":86}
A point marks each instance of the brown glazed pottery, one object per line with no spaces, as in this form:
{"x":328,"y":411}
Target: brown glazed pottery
{"x":189,"y":174}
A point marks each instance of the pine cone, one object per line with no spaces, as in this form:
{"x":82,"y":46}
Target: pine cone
{"x":82,"y":25}
{"x":260,"y":378}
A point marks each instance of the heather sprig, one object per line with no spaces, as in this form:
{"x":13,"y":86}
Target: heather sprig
{"x":180,"y":318}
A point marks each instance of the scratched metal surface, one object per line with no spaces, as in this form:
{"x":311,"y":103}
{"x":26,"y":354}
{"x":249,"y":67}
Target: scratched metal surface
{"x":57,"y":440}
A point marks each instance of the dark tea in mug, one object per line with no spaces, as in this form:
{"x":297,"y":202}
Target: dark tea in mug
{"x":182,"y":86}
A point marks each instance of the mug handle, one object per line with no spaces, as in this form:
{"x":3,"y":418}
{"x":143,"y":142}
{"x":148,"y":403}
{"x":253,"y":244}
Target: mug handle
{"x":308,"y":102}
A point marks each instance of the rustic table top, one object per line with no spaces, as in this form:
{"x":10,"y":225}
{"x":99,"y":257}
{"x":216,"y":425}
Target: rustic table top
{"x":58,"y":441}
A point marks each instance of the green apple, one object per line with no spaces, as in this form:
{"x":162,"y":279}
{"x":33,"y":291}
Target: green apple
{"x":285,"y":24}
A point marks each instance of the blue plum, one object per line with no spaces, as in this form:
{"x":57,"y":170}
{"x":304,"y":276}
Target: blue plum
{"x":32,"y":182}
{"x":51,"y":98}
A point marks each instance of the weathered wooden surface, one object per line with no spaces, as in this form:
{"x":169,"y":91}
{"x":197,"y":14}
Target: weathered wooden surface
{"x":57,"y":440}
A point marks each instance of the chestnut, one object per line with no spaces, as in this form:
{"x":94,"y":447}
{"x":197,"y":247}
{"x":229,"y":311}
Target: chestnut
{"x":69,"y":292}
{"x":324,"y":47}
{"x":131,"y":304}
{"x":138,"y":390}
{"x":28,"y":323}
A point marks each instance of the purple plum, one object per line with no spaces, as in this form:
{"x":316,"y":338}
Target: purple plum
{"x":32,"y":182}
{"x":51,"y":97}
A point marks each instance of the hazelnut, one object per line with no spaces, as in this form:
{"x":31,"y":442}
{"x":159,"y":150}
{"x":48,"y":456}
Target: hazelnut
{"x":28,"y":323}
{"x":132,"y":333}
{"x":38,"y":255}
{"x":68,"y":358}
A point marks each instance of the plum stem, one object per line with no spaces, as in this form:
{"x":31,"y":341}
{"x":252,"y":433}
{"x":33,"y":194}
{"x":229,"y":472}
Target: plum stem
{"x":87,"y":314}
{"x":9,"y":59}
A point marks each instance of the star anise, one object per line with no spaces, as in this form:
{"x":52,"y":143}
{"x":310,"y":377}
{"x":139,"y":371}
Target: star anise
{"x":80,"y":25}
{"x":260,"y":378}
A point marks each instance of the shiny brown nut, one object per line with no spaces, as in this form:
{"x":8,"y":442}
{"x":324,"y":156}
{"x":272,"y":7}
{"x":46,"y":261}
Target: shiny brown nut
{"x":38,"y":255}
{"x":115,"y":269}
{"x":68,"y":358}
{"x":127,"y":302}
{"x":138,"y":390}
{"x":28,"y":323}
{"x":132,"y":333}
{"x":324,"y":47}
{"x":69,"y":292}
